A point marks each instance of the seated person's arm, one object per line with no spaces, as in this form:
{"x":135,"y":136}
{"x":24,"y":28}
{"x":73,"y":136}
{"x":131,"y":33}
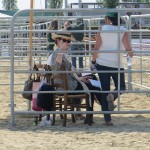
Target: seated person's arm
{"x":71,"y":27}
{"x":85,"y":79}
{"x":75,"y":26}
{"x":57,"y":60}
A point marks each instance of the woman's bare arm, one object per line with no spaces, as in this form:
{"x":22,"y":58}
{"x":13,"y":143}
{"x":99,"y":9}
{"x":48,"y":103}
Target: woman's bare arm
{"x":127,"y":44}
{"x":97,"y":46}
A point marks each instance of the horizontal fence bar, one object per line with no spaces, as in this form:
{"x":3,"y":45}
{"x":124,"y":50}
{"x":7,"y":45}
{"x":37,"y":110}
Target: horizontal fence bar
{"x":82,"y":112}
{"x":85,"y":91}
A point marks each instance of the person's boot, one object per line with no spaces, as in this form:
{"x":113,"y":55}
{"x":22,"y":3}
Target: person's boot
{"x":92,"y":116}
{"x":89,"y":118}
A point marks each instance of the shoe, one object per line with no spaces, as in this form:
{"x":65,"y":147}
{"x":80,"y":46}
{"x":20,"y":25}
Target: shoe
{"x":42,"y":123}
{"x":89,"y":120}
{"x":86,"y":121}
{"x":48,"y":123}
{"x":109,"y":123}
{"x":45,"y":123}
{"x":110,"y":99}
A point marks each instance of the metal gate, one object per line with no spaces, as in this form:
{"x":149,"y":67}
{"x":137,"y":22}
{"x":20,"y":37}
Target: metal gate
{"x":29,"y":44}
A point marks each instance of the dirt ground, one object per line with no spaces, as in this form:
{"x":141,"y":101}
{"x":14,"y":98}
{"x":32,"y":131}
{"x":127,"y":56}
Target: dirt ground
{"x":130,"y":131}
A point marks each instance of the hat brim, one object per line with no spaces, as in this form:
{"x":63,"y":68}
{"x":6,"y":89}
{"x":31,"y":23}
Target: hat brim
{"x":63,"y":36}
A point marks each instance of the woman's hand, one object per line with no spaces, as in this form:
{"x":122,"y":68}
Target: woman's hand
{"x":92,"y":66}
{"x":130,"y":53}
{"x":85,"y":79}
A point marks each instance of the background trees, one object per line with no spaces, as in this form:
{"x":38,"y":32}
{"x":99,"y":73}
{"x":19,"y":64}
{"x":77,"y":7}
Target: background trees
{"x":54,"y":3}
{"x":109,"y":3}
{"x":10,"y":4}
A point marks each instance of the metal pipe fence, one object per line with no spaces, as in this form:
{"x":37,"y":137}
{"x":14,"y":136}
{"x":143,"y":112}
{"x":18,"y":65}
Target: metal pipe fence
{"x":19,"y":52}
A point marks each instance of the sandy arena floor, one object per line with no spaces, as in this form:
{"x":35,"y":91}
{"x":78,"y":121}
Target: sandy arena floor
{"x":130,"y":131}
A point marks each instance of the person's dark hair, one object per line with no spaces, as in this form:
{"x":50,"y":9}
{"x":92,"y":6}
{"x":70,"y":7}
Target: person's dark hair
{"x":79,"y":20}
{"x":53,"y":25}
{"x":56,"y":40}
{"x":68,"y":23}
{"x":114,"y":20}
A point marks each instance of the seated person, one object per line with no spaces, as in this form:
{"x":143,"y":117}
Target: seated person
{"x":60,"y":62}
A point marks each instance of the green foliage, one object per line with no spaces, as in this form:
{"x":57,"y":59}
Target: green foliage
{"x":10,"y":4}
{"x":110,"y":3}
{"x":100,"y":1}
{"x":54,"y":3}
{"x":144,"y":1}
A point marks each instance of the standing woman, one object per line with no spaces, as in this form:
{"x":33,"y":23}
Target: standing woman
{"x":109,"y":62}
{"x":51,"y":42}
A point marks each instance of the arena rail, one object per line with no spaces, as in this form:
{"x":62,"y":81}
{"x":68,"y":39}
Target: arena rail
{"x":40,"y":54}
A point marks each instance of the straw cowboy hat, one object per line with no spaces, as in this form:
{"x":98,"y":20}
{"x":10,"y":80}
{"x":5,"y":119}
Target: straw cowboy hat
{"x":66,"y":36}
